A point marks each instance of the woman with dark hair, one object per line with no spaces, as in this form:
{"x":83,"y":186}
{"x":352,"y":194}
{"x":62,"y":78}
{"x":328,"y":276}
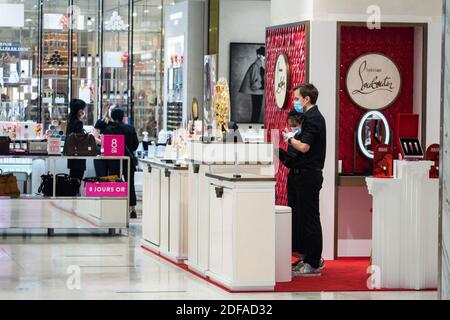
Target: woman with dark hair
{"x":75,"y":125}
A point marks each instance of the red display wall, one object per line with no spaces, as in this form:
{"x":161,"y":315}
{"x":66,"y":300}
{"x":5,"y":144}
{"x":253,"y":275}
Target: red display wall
{"x":398,"y":44}
{"x":292,"y":41}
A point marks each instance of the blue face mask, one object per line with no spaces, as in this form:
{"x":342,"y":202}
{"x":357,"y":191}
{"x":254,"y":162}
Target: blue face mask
{"x":298,"y":106}
{"x":296,"y":130}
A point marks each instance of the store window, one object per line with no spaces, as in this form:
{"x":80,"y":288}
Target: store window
{"x":18,"y":60}
{"x":70,"y":58}
{"x":148,"y":66}
{"x":103,"y":52}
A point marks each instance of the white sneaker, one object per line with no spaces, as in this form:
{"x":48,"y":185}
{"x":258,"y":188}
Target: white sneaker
{"x":305,"y":270}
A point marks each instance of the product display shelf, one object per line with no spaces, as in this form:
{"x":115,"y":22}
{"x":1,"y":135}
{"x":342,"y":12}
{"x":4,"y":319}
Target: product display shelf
{"x":217,"y":158}
{"x":242,"y":231}
{"x":31,"y":211}
{"x":405,"y":227}
{"x":165,"y":209}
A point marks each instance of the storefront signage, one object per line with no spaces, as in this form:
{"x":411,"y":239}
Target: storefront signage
{"x":106,"y":189}
{"x":281,"y":82}
{"x":113,"y":145}
{"x":12,"y":47}
{"x":373,"y":81}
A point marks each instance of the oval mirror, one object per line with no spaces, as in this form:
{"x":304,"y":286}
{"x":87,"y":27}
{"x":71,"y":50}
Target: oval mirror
{"x":195,"y":109}
{"x":373,"y":130}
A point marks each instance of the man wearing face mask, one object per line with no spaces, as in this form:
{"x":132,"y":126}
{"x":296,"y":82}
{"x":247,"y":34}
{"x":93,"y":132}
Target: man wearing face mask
{"x":254,"y":84}
{"x":308,"y":178}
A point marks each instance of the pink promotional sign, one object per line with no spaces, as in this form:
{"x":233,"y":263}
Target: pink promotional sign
{"x":106,"y":189}
{"x":113,"y":145}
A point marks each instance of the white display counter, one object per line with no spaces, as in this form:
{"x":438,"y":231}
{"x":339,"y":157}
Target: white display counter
{"x":32,"y":211}
{"x":165,"y":209}
{"x":405,"y":227}
{"x":242,"y":231}
{"x":216,"y":158}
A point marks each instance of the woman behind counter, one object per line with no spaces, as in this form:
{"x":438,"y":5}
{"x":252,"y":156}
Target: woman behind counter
{"x":75,"y":125}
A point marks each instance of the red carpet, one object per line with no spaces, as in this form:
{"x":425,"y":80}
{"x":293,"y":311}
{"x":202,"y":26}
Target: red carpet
{"x":347,"y":274}
{"x":344,"y":274}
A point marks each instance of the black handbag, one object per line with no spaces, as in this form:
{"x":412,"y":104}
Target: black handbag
{"x":66,"y":186}
{"x":4,"y":145}
{"x":80,"y":145}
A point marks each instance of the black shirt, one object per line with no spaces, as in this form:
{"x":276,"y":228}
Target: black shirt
{"x":131,"y":139}
{"x":101,"y":125}
{"x":314,"y":133}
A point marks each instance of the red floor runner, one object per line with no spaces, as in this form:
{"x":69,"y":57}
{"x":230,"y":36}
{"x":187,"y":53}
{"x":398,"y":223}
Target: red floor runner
{"x":344,"y":274}
{"x":347,"y":274}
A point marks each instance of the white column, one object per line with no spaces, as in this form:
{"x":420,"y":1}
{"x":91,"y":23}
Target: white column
{"x":444,"y":291}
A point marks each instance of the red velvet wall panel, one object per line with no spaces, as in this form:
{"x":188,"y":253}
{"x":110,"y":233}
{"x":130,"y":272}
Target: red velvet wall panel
{"x":398,"y":44}
{"x":291,"y":41}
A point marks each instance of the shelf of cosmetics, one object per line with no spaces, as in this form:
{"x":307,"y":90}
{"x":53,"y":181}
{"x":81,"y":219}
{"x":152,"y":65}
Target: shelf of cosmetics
{"x":172,"y":144}
{"x":58,"y":59}
{"x":29,"y":138}
{"x":411,"y":150}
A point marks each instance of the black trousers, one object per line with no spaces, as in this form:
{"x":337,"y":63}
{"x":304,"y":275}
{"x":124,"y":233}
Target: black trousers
{"x":114,"y":169}
{"x":257,"y":102}
{"x":101,"y":168}
{"x":297,"y":245}
{"x":306,"y":215}
{"x":75,"y":173}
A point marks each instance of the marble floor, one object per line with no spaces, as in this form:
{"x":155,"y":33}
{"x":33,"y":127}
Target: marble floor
{"x":100,"y":267}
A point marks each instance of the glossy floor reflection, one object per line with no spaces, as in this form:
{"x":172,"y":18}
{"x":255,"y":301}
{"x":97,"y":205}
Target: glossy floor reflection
{"x":40,"y":267}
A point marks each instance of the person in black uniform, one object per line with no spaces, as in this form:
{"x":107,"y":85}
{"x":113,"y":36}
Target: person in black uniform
{"x":308,"y":178}
{"x":75,"y":125}
{"x":117,"y":127}
{"x":289,"y":158}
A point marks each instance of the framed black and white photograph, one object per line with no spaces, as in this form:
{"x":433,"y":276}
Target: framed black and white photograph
{"x":247,"y":82}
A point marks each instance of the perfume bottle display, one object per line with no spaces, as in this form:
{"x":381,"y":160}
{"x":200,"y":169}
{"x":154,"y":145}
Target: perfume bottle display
{"x":83,"y":61}
{"x":55,"y":60}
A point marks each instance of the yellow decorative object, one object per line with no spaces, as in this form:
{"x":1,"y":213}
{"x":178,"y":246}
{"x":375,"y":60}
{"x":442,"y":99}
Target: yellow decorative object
{"x":222,"y":104}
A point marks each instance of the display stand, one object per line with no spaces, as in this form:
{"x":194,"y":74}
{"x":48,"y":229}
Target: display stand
{"x":405,"y":227}
{"x":216,"y":158}
{"x":165,"y":209}
{"x":242,"y":231}
{"x":75,"y":213}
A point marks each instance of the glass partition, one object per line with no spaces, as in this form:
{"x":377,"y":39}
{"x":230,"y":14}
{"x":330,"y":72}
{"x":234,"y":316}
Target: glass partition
{"x":147,"y":66}
{"x":105,"y":52}
{"x":18,"y":61}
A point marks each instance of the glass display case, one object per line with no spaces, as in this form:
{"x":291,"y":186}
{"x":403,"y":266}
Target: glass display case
{"x":148,"y":67}
{"x":105,"y":52}
{"x":18,"y":60}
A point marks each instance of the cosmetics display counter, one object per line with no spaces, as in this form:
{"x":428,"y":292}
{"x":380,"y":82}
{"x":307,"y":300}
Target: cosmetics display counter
{"x":242,"y":231}
{"x":405,"y":226}
{"x":217,"y":158}
{"x":165,"y":208}
{"x":34,"y":211}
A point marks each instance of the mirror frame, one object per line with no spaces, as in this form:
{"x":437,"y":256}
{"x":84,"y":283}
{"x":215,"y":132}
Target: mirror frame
{"x":360,"y":127}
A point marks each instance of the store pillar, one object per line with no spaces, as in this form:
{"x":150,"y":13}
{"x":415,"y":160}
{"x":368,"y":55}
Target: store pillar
{"x":444,"y":239}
